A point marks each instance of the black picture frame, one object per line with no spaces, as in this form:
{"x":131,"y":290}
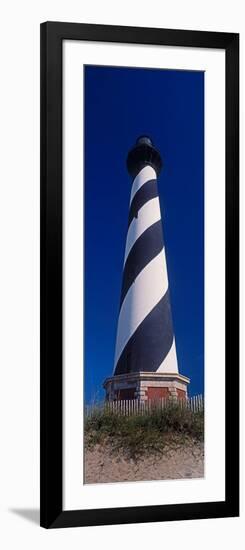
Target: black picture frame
{"x":52,"y":35}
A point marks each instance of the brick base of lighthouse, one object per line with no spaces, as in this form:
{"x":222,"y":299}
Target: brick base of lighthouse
{"x":146,"y":386}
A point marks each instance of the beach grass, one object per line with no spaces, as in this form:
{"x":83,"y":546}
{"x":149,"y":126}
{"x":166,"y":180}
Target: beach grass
{"x":137,"y":435}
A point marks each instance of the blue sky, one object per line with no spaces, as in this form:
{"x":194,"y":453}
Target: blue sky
{"x":121,"y":104}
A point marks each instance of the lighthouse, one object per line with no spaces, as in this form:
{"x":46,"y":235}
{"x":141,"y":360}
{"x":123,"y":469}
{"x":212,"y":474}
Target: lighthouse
{"x":145,"y":363}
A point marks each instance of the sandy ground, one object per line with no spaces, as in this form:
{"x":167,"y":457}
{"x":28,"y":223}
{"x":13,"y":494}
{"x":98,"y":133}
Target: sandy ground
{"x":101,"y":466}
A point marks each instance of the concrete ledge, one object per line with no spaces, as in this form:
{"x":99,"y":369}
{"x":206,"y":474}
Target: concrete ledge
{"x":147,"y":376}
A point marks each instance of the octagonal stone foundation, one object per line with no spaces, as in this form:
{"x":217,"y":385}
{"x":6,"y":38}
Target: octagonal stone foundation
{"x":146,"y":386}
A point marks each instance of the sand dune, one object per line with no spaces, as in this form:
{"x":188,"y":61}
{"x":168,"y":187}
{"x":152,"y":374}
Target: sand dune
{"x":103,"y":466}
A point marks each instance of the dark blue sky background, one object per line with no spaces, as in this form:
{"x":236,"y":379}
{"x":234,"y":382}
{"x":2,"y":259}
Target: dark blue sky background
{"x":120,"y":105}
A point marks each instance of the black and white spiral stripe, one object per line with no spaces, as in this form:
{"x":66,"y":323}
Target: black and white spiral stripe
{"x":145,"y":337}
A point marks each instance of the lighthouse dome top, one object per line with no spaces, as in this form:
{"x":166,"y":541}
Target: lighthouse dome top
{"x":142,"y":154}
{"x":144,"y":140}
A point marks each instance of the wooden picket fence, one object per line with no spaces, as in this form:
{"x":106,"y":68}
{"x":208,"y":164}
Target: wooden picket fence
{"x":129,"y":407}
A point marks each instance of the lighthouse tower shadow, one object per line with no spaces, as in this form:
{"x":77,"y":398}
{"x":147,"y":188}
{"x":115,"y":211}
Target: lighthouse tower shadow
{"x":145,"y":365}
